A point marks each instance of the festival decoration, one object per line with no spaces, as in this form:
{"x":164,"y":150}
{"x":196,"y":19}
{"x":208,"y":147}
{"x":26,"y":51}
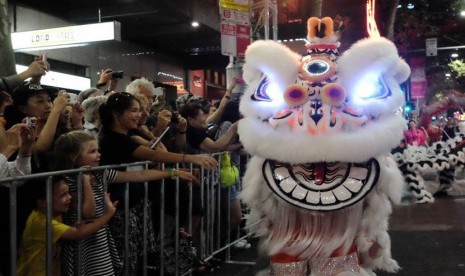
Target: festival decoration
{"x":320,"y":129}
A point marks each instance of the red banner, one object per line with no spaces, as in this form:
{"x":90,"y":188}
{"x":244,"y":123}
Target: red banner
{"x":242,"y":39}
{"x":418,"y":83}
{"x":417,"y":89}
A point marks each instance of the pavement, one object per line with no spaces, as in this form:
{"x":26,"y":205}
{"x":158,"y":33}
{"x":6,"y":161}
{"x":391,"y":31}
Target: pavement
{"x":427,"y":239}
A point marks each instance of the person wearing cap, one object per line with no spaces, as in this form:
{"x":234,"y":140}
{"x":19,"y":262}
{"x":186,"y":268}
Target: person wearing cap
{"x":32,"y":100}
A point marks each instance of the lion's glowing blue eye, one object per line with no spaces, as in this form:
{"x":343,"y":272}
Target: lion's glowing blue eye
{"x":317,"y":68}
{"x":371,"y":87}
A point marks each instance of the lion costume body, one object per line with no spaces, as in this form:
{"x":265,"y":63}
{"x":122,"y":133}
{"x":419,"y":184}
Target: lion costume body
{"x":320,"y":129}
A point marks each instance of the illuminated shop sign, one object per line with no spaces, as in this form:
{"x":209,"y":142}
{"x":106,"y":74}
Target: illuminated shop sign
{"x":66,"y":36}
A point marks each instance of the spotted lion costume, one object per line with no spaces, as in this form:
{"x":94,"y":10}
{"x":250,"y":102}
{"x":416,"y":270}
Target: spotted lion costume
{"x":320,"y":128}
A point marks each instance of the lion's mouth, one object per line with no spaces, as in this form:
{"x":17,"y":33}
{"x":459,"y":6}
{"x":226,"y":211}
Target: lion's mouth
{"x":321,"y":186}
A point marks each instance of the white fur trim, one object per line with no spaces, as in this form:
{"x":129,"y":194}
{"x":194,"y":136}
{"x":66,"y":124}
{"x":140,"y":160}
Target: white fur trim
{"x":374,"y":224}
{"x":261,"y":139}
{"x":275,"y":61}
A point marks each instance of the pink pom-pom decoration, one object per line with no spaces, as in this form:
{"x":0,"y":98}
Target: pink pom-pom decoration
{"x":295,"y":95}
{"x":333,"y":94}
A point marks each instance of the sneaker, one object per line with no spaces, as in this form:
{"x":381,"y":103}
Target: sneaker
{"x":242,"y":244}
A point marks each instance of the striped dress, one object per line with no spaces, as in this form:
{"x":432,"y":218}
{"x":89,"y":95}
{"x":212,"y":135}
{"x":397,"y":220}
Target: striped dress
{"x":98,"y":252}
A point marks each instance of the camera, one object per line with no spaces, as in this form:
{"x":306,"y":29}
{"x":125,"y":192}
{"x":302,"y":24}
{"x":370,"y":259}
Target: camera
{"x":72,"y":98}
{"x":175,"y":118}
{"x":30,"y":121}
{"x":117,"y":74}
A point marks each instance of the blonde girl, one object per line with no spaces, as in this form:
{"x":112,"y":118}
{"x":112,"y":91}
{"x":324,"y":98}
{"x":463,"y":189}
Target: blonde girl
{"x":78,"y":149}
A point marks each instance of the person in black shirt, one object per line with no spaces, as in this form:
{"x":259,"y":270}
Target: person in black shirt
{"x":197,"y":137}
{"x":119,"y":115}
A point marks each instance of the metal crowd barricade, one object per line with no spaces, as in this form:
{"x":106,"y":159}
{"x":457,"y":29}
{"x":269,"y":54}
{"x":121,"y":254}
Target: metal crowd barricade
{"x":210,"y":224}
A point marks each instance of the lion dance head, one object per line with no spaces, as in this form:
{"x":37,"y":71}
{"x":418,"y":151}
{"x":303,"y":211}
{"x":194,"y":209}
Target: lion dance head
{"x":320,"y":119}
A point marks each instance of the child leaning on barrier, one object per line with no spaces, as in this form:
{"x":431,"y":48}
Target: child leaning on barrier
{"x":32,"y":252}
{"x":79,"y":149}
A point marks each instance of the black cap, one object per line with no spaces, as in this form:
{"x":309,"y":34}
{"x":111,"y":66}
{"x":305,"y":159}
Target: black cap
{"x":25,"y":91}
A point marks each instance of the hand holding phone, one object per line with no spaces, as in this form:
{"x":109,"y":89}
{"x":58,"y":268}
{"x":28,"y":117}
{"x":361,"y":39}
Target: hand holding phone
{"x":117,"y":74}
{"x":155,"y":143}
{"x":30,"y":122}
{"x":72,"y":98}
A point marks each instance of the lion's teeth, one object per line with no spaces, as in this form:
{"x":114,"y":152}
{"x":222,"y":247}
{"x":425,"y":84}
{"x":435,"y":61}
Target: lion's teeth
{"x":353,"y":185}
{"x":358,"y":173}
{"x":342,"y":193}
{"x":299,"y":193}
{"x":288,"y":185}
{"x":313,"y":197}
{"x":328,"y":198}
{"x":281,"y":173}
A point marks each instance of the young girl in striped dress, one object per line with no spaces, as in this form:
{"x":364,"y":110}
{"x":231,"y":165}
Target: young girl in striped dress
{"x":98,"y":253}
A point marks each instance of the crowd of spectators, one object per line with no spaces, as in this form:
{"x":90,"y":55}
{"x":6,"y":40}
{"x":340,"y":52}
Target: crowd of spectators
{"x":43,"y":130}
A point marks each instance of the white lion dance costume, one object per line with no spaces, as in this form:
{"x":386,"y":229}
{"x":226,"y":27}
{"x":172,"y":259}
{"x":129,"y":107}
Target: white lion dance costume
{"x":320,"y":128}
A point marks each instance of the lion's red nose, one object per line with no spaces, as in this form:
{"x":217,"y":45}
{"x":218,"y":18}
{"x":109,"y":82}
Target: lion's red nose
{"x":319,"y":173}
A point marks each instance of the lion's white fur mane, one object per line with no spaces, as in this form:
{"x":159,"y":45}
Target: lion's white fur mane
{"x":307,"y":234}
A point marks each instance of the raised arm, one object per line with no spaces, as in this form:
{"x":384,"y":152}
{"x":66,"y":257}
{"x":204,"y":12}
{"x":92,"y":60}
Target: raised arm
{"x":35,"y":70}
{"x":47,"y":134}
{"x":222,"y":143}
{"x":216,"y":116}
